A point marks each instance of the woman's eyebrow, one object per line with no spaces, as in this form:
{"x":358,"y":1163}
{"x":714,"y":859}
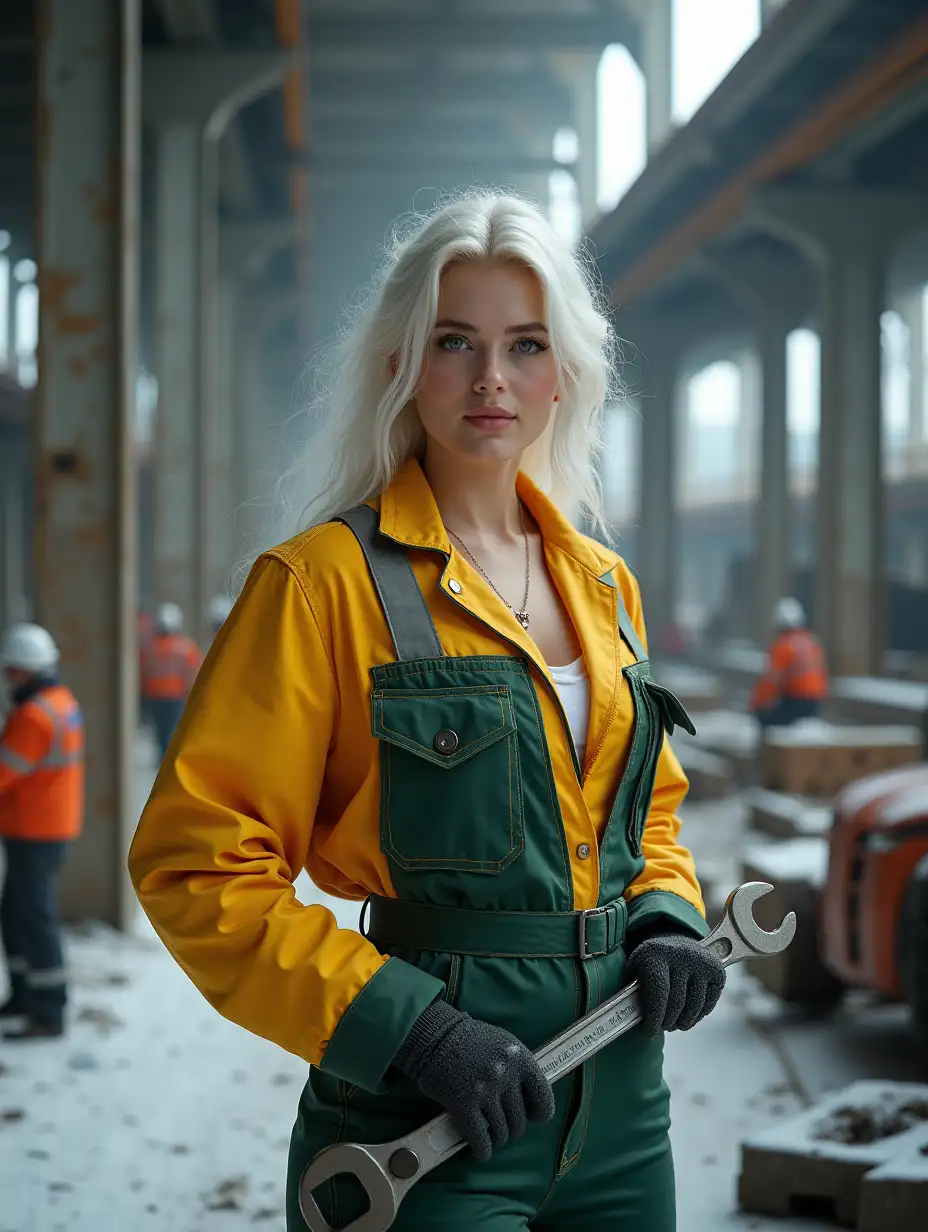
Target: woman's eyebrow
{"x":529,"y":327}
{"x":449,"y":322}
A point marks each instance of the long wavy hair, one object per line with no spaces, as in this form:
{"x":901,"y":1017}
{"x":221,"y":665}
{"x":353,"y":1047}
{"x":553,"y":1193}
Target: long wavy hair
{"x":362,"y":421}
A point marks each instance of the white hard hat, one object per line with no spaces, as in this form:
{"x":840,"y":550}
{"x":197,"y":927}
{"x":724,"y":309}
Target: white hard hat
{"x":219,"y":608}
{"x":30,"y":648}
{"x":169,"y":618}
{"x":788,"y":614}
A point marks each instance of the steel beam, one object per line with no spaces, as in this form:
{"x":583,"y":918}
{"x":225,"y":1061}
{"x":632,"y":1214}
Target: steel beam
{"x":89,"y":61}
{"x":442,"y":32}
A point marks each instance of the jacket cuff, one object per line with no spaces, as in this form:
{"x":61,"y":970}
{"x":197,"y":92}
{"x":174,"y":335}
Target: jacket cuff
{"x":370,"y":1032}
{"x":660,"y":908}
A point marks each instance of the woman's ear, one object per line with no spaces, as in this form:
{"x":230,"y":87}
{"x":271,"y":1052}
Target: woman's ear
{"x":393,"y":365}
{"x":557,"y":397}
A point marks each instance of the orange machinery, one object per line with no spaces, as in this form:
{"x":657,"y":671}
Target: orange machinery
{"x":874,"y":911}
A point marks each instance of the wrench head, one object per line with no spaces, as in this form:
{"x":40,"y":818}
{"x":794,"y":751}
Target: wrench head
{"x":362,"y":1162}
{"x":738,"y":908}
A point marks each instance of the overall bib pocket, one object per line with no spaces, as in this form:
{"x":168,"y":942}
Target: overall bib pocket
{"x":451,"y":794}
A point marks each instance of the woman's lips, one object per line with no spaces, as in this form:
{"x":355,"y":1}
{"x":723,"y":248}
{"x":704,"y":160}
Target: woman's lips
{"x":490,"y":419}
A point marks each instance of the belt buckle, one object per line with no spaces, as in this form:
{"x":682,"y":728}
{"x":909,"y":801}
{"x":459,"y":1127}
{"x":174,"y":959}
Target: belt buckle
{"x":584,"y":916}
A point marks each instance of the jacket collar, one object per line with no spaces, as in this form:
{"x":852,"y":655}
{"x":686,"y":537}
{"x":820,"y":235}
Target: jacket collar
{"x":30,"y":687}
{"x":409,"y":515}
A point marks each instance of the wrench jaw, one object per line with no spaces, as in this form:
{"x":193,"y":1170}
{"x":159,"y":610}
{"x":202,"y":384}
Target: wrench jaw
{"x":363,"y":1162}
{"x":738,"y":908}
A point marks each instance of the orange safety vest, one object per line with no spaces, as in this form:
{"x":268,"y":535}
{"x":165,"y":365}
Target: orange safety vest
{"x":42,"y":768}
{"x":169,"y":666}
{"x":795,"y":668}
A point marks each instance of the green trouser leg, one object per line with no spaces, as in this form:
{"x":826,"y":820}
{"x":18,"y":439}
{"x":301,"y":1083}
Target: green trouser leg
{"x":604,"y":1161}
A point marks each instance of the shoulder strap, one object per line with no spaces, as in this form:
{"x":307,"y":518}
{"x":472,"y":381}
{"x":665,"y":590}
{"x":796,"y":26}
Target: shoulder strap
{"x":626,"y":628}
{"x":408,"y":617}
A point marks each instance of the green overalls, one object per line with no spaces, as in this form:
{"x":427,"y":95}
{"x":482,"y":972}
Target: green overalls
{"x":471,"y":827}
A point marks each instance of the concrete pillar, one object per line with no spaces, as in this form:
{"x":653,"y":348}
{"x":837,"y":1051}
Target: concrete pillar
{"x":774,"y":293}
{"x":14,"y":464}
{"x":658,"y":486}
{"x":913,"y":312}
{"x":224,"y":548}
{"x":189,"y":98}
{"x":656,"y":59}
{"x":89,"y":60}
{"x":177,"y":342}
{"x":773,"y":514}
{"x":847,"y":236}
{"x":750,"y":413}
{"x":577,"y":71}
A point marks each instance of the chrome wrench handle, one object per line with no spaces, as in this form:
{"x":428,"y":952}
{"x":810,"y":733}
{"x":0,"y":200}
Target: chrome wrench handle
{"x":388,"y":1170}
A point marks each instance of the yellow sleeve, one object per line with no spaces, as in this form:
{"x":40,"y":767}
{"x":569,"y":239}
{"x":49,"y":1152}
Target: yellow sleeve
{"x":226,"y":831}
{"x":666,"y":888}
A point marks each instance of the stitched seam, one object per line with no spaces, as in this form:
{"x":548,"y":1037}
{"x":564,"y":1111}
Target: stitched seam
{"x":442,"y":862}
{"x":309,"y":594}
{"x":626,"y":774}
{"x":651,"y":753}
{"x":555,"y":803}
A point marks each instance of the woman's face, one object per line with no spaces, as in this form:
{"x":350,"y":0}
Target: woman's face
{"x":489,"y":377}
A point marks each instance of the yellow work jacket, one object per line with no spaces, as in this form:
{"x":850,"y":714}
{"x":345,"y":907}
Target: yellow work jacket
{"x":274,"y":767}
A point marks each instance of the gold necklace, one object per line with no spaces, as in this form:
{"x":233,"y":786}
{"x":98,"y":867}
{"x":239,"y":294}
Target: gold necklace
{"x":522,"y":614}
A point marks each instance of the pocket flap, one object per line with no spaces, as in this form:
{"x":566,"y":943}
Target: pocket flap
{"x":443,"y":726}
{"x":673,"y":712}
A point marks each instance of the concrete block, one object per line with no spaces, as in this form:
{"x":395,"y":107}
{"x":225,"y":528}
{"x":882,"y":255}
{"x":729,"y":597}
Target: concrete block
{"x":894,"y":1196}
{"x":796,"y":868}
{"x":814,"y":758}
{"x":816,"y":1163}
{"x":785,"y":816}
{"x":711,"y":777}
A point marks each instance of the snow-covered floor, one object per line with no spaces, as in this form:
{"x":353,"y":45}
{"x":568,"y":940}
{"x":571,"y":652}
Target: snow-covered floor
{"x":155,"y":1113}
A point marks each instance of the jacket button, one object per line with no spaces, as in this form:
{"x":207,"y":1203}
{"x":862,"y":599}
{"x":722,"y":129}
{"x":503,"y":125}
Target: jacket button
{"x":454,"y":586}
{"x":583,"y":851}
{"x":447,"y":741}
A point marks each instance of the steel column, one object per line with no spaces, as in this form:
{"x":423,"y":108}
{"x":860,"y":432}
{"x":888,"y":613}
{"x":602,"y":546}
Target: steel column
{"x":177,"y":331}
{"x":88,"y":270}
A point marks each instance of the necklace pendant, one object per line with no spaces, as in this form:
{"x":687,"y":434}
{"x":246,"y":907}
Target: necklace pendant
{"x":522,"y":618}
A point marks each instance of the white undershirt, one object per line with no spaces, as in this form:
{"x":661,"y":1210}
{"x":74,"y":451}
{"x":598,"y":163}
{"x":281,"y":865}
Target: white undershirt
{"x":573,"y":686}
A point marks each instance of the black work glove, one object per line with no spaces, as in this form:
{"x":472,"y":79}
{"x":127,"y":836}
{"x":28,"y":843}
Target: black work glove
{"x":680,"y":982}
{"x":485,"y":1077}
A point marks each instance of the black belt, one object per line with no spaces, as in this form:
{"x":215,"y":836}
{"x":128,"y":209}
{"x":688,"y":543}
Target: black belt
{"x":496,"y":934}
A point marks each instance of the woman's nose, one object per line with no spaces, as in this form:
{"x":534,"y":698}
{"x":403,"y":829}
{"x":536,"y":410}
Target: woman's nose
{"x":490,"y":377}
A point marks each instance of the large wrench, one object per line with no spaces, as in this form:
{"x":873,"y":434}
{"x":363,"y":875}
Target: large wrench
{"x":388,"y":1170}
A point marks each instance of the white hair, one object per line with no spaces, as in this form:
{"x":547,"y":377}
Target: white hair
{"x":363,"y":424}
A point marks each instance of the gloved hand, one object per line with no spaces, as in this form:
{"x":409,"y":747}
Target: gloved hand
{"x":680,"y":982}
{"x":485,"y":1077}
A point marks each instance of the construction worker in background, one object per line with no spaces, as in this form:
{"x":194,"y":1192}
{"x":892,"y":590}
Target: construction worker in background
{"x":219,"y":608}
{"x":41,"y":814}
{"x":795,"y":681}
{"x":169,"y":665}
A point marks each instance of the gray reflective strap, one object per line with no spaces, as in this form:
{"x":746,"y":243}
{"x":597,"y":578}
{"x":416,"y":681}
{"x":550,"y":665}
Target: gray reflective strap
{"x":626,"y":628}
{"x":56,"y":757}
{"x":15,"y":761}
{"x":408,"y":617}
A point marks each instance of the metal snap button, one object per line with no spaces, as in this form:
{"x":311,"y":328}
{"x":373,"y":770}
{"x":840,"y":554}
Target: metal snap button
{"x":447,"y":741}
{"x":583,"y":851}
{"x":455,"y":586}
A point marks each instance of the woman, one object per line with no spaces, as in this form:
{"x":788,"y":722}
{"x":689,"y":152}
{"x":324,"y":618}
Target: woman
{"x":441,"y":703}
